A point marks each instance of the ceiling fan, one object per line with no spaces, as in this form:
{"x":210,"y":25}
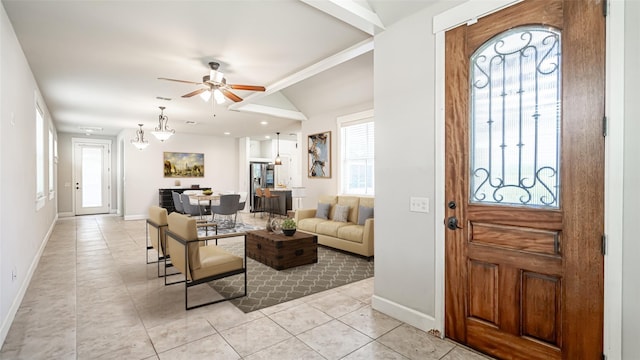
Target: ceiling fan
{"x":215,"y":83}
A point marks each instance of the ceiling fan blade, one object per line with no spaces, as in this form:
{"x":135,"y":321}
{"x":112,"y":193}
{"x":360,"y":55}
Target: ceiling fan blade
{"x":182,"y":81}
{"x":247,"y":87}
{"x":194,"y":93}
{"x":231,"y":95}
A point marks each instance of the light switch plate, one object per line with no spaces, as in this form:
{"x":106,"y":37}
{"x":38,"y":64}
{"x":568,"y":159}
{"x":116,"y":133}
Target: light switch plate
{"x":419,"y":204}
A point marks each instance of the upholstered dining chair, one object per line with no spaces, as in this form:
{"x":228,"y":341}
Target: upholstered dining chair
{"x":259,"y":202}
{"x":200,"y":263}
{"x":177,"y":202}
{"x":241,"y":204}
{"x":270,"y":198}
{"x":228,"y":206}
{"x":243,"y":200}
{"x":189,"y":208}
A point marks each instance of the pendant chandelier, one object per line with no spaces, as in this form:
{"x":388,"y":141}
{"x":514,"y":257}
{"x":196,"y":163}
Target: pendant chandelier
{"x":139,"y":142}
{"x":278,"y":161}
{"x":162,"y":132}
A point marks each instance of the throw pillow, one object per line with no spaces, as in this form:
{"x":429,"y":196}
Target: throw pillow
{"x":322,"y":212}
{"x":364,"y":213}
{"x":341,"y":213}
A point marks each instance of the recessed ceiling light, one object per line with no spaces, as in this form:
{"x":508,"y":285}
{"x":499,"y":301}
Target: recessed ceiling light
{"x":227,"y":133}
{"x":190,"y":122}
{"x":267,"y":137}
{"x":263,"y":123}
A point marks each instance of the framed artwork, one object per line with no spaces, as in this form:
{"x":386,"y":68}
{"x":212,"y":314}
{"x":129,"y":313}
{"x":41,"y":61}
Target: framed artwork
{"x":183,"y":165}
{"x":319,"y":147}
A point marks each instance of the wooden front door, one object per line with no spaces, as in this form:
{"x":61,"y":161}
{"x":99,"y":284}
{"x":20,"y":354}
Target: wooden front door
{"x":525,"y":181}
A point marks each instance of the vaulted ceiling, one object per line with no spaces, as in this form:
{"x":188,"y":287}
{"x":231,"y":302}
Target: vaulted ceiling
{"x":97,"y":63}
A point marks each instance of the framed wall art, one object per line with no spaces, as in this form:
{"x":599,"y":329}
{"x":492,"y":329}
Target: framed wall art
{"x":319,"y":147}
{"x":183,"y":165}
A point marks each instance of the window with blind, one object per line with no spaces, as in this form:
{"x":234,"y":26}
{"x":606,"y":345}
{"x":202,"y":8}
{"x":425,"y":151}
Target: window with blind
{"x":51,"y":165}
{"x":39,"y":158}
{"x":357,"y":155}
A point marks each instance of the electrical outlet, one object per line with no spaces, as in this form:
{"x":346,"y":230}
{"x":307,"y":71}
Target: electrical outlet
{"x":419,"y":204}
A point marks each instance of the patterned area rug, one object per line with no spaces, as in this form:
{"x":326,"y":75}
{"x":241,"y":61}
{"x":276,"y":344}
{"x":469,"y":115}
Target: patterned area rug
{"x":267,"y":286}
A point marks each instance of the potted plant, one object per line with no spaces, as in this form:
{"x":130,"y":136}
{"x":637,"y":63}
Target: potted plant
{"x":288,"y":226}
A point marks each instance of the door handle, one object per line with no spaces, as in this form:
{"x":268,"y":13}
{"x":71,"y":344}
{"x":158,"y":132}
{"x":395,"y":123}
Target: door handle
{"x":452,"y":223}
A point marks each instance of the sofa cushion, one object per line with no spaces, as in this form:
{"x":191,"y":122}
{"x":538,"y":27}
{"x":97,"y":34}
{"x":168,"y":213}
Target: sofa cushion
{"x":352,"y":233}
{"x":309,"y":224}
{"x":352,"y":202}
{"x":367,"y":201}
{"x":364,"y":213}
{"x":341,"y":213}
{"x":329,"y":228}
{"x":322,"y":211}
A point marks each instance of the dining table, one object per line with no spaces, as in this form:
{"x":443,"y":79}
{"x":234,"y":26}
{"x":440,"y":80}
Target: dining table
{"x":205,"y":197}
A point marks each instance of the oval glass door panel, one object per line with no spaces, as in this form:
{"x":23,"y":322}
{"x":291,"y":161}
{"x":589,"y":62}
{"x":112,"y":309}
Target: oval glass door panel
{"x":515,"y":113}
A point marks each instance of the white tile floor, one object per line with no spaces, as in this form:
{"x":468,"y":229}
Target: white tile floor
{"x":94,"y":297}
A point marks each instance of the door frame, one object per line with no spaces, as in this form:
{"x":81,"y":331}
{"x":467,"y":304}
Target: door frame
{"x":74,"y":142}
{"x":469,"y":12}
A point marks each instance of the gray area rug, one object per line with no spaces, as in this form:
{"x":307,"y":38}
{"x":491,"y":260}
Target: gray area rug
{"x":268,"y":287}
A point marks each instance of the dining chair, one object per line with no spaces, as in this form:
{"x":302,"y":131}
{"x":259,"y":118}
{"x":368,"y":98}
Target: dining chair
{"x":177,"y":203}
{"x":228,"y":206}
{"x":242,"y":203}
{"x":270,"y":198}
{"x":189,"y":208}
{"x":259,"y":205}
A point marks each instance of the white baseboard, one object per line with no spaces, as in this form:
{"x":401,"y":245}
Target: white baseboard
{"x":66,"y":214}
{"x":13,"y":310}
{"x":414,"y":318}
{"x":135,"y":217}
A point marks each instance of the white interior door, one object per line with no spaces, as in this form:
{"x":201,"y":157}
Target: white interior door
{"x":91,"y":159}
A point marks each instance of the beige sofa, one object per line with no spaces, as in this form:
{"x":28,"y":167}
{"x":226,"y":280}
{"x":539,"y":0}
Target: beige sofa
{"x":344,"y":235}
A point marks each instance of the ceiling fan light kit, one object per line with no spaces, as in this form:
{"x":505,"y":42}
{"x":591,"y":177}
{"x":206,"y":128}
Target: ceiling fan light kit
{"x":218,"y":96}
{"x":163,"y":132}
{"x":139,"y":142}
{"x":216,"y":83}
{"x":205,"y":95}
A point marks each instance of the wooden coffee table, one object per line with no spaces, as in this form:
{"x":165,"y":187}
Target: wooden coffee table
{"x":282,"y":252}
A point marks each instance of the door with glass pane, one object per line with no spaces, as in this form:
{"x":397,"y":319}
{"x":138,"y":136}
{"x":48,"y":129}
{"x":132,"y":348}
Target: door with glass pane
{"x":525,"y":181}
{"x":91,"y":176}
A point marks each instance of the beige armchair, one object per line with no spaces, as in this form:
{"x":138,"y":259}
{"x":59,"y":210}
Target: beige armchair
{"x":200,"y":263}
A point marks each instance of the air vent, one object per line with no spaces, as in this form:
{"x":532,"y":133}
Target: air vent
{"x":163,"y":98}
{"x":90,"y":129}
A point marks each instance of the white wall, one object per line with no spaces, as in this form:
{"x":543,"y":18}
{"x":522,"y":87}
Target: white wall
{"x":315,"y":187}
{"x":631,"y":244}
{"x":23,"y":230}
{"x":404,"y":81}
{"x":144,"y":174}
{"x":404,"y":284}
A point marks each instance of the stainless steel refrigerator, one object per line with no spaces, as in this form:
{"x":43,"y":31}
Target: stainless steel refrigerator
{"x":262,"y":176}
